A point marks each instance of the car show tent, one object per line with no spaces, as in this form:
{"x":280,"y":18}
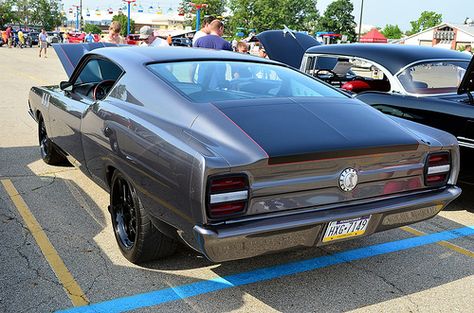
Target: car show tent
{"x":373,"y":36}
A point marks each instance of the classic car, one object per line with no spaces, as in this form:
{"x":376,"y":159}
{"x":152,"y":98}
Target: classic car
{"x":421,"y":84}
{"x":235,"y":168}
{"x":182,"y":42}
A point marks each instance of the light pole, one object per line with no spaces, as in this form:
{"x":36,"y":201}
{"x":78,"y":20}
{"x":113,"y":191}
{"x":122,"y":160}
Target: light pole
{"x":360,"y":20}
{"x":82,"y":20}
{"x":128,"y":14}
{"x":198,"y":12}
{"x":77,"y":16}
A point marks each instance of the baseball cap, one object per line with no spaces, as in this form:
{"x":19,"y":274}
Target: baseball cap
{"x":145,"y":32}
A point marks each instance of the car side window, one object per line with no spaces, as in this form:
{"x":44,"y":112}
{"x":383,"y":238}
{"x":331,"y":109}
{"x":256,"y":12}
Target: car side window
{"x":90,"y":73}
{"x":96,"y":71}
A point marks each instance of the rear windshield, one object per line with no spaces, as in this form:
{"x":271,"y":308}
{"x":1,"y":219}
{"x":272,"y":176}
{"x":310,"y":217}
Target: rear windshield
{"x":433,"y":77}
{"x":232,"y":80}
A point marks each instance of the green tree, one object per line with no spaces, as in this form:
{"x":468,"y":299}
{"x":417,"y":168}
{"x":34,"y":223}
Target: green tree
{"x":92,"y":28}
{"x":122,"y":19}
{"x":214,"y":7}
{"x":392,"y":32}
{"x":338,"y":18}
{"x":268,"y":14}
{"x":6,"y":13}
{"x":46,"y":13}
{"x":427,"y":20}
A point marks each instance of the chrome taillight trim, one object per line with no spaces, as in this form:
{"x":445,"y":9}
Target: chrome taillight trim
{"x":229,"y":196}
{"x":439,"y":169}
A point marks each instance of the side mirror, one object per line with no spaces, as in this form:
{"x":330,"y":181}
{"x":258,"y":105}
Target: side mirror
{"x":65,"y":85}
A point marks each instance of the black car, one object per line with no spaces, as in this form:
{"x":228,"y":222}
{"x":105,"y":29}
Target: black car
{"x":427,"y":85}
{"x":32,"y":38}
{"x":182,"y":42}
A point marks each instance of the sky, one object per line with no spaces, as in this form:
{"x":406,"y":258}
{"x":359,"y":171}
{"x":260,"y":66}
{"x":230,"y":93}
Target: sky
{"x":376,"y":12}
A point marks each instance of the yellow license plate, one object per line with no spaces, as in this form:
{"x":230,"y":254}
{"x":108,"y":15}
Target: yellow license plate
{"x":346,"y":228}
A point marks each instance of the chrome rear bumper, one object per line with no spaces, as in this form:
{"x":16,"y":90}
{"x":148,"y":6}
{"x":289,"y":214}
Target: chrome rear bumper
{"x":256,"y":237}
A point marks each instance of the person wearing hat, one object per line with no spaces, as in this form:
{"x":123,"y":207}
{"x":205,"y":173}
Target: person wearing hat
{"x":149,"y":38}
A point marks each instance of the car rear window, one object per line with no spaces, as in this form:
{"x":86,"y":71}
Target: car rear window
{"x":210,"y":81}
{"x":433,"y":77}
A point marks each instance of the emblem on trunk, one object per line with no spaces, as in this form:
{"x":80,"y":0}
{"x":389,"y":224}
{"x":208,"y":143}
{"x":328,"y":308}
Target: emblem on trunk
{"x":348,"y":179}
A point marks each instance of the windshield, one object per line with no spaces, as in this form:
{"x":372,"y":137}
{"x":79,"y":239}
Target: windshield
{"x":232,"y":80}
{"x":433,"y":77}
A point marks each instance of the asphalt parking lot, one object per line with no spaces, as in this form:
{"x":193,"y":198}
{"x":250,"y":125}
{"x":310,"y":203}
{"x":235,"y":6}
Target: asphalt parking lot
{"x":58,"y":252}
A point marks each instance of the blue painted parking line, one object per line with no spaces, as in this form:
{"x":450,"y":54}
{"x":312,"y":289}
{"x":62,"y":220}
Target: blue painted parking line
{"x":185,"y":291}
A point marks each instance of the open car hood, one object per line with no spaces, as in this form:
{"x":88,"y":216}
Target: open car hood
{"x":467,"y":83}
{"x":71,"y":53}
{"x":286,"y":46}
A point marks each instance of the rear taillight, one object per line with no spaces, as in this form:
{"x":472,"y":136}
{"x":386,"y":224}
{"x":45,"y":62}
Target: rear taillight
{"x":437,"y":169}
{"x":227,"y":196}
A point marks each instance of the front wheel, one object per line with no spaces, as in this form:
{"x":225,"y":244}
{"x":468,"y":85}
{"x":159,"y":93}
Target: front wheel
{"x":137,"y":237}
{"x":49,"y":152}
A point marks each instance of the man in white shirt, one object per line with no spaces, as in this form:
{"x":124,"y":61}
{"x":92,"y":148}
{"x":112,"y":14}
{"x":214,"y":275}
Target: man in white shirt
{"x":150,"y":40}
{"x":204,"y":29}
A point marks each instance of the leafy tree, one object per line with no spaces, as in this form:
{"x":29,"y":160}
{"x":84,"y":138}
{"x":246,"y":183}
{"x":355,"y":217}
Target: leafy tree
{"x":214,"y":7}
{"x":46,"y":13}
{"x":122,"y":19}
{"x":6,"y":13}
{"x":92,"y":28}
{"x":269,"y":14}
{"x":427,"y":20}
{"x":392,"y":32}
{"x":338,"y":18}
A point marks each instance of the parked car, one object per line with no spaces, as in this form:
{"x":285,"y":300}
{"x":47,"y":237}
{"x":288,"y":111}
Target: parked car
{"x":76,"y":37}
{"x":182,"y":42}
{"x":53,"y":37}
{"x":240,"y":167}
{"x":32,"y":38}
{"x":133,"y":39}
{"x":422,"y":84}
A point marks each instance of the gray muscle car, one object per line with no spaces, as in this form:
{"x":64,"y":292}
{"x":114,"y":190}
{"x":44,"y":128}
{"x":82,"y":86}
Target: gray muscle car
{"x":235,"y":165}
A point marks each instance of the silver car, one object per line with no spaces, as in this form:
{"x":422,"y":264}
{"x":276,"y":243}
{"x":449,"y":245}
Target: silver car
{"x":237,"y":156}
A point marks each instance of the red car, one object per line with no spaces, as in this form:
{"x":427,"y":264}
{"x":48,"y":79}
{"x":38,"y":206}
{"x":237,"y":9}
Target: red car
{"x":133,"y":39}
{"x":76,"y":37}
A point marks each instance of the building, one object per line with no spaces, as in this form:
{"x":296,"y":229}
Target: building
{"x":445,"y":35}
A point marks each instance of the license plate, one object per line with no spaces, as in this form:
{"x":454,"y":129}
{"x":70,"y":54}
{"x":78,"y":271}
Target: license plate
{"x":346,"y":228}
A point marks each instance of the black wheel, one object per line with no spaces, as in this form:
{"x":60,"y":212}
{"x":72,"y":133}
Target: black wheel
{"x":49,"y":152}
{"x":137,"y":237}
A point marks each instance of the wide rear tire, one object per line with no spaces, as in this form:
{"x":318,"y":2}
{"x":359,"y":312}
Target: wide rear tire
{"x":137,"y":237}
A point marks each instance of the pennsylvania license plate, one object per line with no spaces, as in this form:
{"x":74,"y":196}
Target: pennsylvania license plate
{"x":347,"y":228}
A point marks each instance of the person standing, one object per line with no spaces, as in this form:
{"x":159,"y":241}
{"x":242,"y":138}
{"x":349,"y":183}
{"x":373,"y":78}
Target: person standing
{"x":114,"y":34}
{"x":149,"y":38}
{"x":89,"y":38}
{"x":21,"y":39}
{"x":8,"y":35}
{"x":468,"y":50}
{"x":169,"y":40}
{"x":214,"y":40}
{"x":43,"y":42}
{"x":204,"y":29}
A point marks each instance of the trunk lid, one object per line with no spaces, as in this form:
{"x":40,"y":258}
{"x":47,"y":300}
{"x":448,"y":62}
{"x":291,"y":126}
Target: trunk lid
{"x":310,"y":144}
{"x":306,"y":129}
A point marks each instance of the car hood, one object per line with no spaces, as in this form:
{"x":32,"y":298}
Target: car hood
{"x":302,"y":129}
{"x":467,"y":83}
{"x":286,"y":46}
{"x":71,"y":53}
